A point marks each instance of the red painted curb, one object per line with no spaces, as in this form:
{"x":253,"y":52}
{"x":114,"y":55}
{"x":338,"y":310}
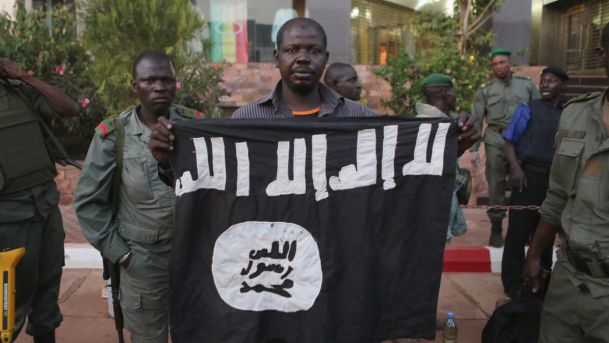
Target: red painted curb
{"x":471,"y":260}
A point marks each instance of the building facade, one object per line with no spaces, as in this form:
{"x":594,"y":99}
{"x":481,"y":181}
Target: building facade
{"x":359,"y":31}
{"x":566,"y":33}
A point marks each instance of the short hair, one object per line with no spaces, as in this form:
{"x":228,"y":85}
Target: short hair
{"x":304,"y":22}
{"x":153,"y":55}
{"x":334,"y":70}
{"x":605,"y":37}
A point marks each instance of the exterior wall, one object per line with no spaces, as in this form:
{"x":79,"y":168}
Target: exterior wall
{"x":549,"y":37}
{"x":512,"y":26}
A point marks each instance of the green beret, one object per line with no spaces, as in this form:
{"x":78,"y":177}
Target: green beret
{"x":437,"y":80}
{"x":500,"y":51}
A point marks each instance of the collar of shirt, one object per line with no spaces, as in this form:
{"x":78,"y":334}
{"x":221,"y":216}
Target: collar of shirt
{"x":502,"y":82}
{"x":429,"y":111}
{"x":135,"y":127}
{"x":329,"y":100}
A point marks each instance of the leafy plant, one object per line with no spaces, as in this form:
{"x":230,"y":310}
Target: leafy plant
{"x":116,"y":31}
{"x":95,"y":69}
{"x":440,"y":49}
{"x":45,"y":44}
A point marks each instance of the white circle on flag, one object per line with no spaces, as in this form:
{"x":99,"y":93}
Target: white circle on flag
{"x":260,"y":266}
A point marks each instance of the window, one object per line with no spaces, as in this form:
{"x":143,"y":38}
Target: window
{"x":245,"y":30}
{"x":579,"y":34}
{"x":379,"y":29}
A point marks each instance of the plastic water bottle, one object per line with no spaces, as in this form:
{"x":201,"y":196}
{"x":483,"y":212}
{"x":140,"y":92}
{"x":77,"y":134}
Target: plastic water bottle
{"x":449,"y":331}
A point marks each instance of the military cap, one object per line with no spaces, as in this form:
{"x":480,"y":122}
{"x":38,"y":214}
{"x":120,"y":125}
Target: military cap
{"x":437,"y":80}
{"x":500,"y":51}
{"x":561,"y":74}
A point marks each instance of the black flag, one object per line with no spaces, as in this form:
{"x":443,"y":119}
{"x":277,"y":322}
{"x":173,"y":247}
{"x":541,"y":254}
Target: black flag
{"x":309,"y":230}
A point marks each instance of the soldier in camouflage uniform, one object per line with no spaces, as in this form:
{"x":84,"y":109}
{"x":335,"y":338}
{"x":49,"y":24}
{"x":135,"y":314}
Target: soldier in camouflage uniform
{"x":496,"y":102}
{"x":139,"y":235}
{"x":29,"y":215}
{"x":576,"y":305}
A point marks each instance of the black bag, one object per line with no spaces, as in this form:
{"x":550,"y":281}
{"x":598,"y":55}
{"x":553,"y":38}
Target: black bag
{"x":516,"y":321}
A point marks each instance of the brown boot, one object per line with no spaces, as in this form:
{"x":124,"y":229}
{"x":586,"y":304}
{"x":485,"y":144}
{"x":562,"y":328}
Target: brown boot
{"x":496,"y":240}
{"x":48,"y":337}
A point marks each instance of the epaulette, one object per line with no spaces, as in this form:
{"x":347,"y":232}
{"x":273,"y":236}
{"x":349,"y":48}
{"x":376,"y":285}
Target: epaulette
{"x":106,"y":127}
{"x":522,"y":77}
{"x":189,"y":112}
{"x":584,"y":97}
{"x":483,"y":85}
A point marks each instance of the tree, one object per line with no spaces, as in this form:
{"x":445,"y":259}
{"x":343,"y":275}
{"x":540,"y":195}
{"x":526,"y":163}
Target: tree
{"x":450,"y":45}
{"x":473,"y":14}
{"x":116,"y":31}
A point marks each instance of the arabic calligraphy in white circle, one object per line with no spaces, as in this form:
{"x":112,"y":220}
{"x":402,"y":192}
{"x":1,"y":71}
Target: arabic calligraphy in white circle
{"x":260,"y":266}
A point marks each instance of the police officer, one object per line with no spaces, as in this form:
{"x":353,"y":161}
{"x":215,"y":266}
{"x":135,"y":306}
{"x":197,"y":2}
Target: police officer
{"x":138,"y":234}
{"x":497,"y":101}
{"x":440,"y":102}
{"x":29,"y":215}
{"x":576,"y":304}
{"x":529,"y":148}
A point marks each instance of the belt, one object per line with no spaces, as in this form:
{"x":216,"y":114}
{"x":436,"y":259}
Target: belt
{"x":496,"y":128}
{"x":589,"y":266}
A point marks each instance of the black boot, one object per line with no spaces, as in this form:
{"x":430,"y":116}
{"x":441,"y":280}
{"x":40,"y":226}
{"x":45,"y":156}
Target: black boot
{"x":48,"y":337}
{"x":496,"y":241}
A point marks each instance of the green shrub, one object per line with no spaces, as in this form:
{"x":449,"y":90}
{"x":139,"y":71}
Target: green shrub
{"x":96,"y":69}
{"x":116,"y":31}
{"x":45,"y":44}
{"x":439,"y":54}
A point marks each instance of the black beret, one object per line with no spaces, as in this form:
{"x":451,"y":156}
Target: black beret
{"x":561,"y":74}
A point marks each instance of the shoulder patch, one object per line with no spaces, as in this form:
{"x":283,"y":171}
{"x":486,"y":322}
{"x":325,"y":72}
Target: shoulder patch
{"x":106,"y":127}
{"x":189,"y":112}
{"x":584,"y":97}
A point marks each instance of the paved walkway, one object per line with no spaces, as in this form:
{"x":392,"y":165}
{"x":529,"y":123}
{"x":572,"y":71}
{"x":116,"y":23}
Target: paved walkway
{"x":471,"y":296}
